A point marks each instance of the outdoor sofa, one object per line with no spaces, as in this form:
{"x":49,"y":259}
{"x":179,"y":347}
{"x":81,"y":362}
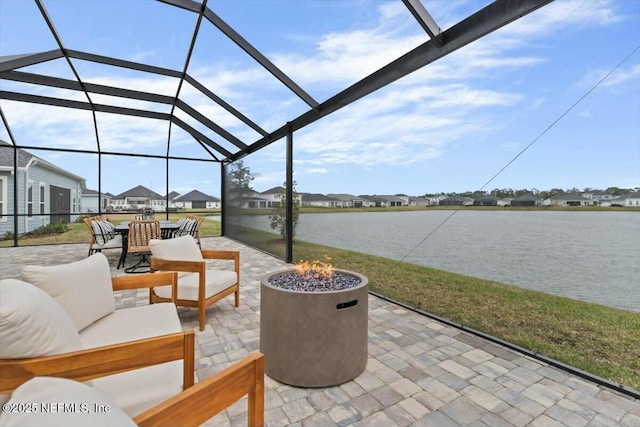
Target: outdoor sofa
{"x":61,"y":321}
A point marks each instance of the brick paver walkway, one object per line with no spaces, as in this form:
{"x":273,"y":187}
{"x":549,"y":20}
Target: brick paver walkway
{"x":420,"y":372}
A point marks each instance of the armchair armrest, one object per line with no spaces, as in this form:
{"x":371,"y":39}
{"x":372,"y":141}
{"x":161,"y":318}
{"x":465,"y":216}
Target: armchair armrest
{"x":158,"y":265}
{"x":194,"y":406}
{"x":97,"y":362}
{"x":230,"y":255}
{"x":123,"y":283}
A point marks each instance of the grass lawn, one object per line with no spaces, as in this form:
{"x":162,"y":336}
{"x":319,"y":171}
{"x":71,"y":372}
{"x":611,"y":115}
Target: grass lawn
{"x":79,"y":233}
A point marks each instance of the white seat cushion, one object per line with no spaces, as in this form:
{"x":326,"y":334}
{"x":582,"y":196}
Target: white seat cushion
{"x":138,"y":390}
{"x":70,"y":403}
{"x":32,"y":323}
{"x":216,"y":281}
{"x":130,"y":324}
{"x":113,"y":243}
{"x":82,"y":288}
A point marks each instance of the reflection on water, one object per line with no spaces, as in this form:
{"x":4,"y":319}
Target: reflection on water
{"x":591,"y":256}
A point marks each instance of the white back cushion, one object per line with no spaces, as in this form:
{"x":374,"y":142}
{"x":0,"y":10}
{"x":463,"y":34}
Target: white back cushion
{"x":179,"y":248}
{"x":32,"y":323}
{"x":82,"y":288}
{"x":70,"y":404}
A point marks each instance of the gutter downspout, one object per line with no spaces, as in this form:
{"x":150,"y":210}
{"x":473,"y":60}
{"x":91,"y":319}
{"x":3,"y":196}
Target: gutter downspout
{"x":32,"y":161}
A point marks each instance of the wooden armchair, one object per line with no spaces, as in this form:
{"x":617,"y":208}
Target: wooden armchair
{"x":59,"y":326}
{"x":60,"y":321}
{"x":197,"y":286}
{"x":41,"y":336}
{"x":191,"y":407}
{"x":211,"y":396}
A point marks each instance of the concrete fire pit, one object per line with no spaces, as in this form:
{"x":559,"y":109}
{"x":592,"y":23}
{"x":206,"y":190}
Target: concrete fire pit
{"x":314,"y":338}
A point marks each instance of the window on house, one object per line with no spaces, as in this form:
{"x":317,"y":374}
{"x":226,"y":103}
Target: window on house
{"x":42,"y":192}
{"x":3,"y":199}
{"x":30,"y":199}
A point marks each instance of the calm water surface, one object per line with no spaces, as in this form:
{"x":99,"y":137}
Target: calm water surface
{"x":591,"y":256}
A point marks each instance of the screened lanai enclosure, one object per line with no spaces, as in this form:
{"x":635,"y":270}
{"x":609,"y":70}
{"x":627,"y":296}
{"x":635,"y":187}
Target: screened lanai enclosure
{"x":94,"y":92}
{"x":110,"y":107}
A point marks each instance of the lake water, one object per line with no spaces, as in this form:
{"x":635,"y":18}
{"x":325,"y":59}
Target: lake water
{"x":591,"y":256}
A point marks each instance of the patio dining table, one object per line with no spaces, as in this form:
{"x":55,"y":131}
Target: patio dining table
{"x":167,"y":228}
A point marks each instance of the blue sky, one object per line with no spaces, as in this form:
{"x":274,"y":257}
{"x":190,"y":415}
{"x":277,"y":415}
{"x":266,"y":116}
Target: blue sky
{"x":449,"y":127}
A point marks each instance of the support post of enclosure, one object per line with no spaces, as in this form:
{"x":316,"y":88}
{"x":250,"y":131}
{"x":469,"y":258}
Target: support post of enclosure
{"x":289,"y":193}
{"x":223,"y":197}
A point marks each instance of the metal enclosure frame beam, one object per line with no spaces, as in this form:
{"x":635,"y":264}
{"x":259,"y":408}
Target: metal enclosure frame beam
{"x":481,"y":23}
{"x":440,"y":44}
{"x":425,"y":20}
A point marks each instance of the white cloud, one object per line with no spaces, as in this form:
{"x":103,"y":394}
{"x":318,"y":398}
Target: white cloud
{"x":622,"y":76}
{"x":317,"y":170}
{"x":410,"y":121}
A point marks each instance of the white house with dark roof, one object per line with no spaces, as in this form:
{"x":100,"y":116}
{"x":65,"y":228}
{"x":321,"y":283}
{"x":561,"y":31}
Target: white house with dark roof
{"x":251,"y":200}
{"x":600,"y":196}
{"x":569,"y":199}
{"x":137,"y":198}
{"x":91,"y":203}
{"x":528,"y":199}
{"x":368,"y":201}
{"x":628,"y":200}
{"x":196,"y":200}
{"x":456,"y":201}
{"x":418,"y":201}
{"x":272,"y":196}
{"x":46,"y":193}
{"x":400,"y":200}
{"x":319,"y":200}
{"x":346,"y":200}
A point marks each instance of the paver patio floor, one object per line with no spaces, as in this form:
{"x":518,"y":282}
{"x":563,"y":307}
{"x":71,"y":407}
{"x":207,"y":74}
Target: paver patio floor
{"x":420,"y":372}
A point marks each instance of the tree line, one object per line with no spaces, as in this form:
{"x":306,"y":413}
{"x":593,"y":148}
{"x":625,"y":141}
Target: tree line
{"x":545,"y":194}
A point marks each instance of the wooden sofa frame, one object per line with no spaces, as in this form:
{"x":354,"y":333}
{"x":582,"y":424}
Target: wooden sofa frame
{"x":200,"y":267}
{"x":210,"y":396}
{"x":96,"y":362}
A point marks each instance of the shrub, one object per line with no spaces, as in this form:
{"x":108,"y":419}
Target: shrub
{"x":57,"y":228}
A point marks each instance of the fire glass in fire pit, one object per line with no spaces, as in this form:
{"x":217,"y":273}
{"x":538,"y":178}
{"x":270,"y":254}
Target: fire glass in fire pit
{"x":314,"y":277}
{"x":313,"y":325}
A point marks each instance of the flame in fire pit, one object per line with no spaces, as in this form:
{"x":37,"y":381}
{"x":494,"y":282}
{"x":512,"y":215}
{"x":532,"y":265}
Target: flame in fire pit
{"x":316,"y":268}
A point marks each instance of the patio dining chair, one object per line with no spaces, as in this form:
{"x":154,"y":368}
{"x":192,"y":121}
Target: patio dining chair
{"x":190,"y":226}
{"x":140,"y":232}
{"x":103,"y":235}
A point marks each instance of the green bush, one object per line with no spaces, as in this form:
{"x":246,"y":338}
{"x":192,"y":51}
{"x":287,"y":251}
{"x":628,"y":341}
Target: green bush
{"x":57,"y":228}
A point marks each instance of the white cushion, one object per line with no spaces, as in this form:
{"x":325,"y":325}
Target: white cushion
{"x":215,"y":281}
{"x":82,"y":288}
{"x":113,"y":243}
{"x":138,"y":390}
{"x":70,"y":404}
{"x":130,"y":324}
{"x":32,"y":323}
{"x":182,"y":248}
